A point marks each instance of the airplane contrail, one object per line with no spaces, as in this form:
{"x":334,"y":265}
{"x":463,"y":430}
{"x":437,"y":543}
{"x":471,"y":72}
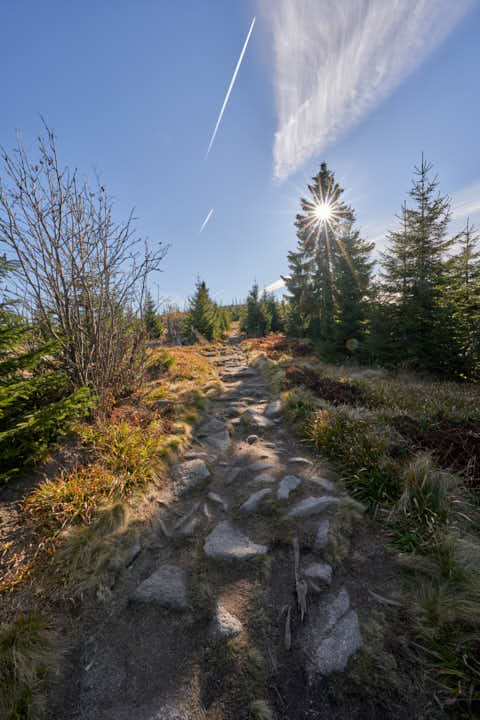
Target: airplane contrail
{"x":206,"y":220}
{"x":232,"y":82}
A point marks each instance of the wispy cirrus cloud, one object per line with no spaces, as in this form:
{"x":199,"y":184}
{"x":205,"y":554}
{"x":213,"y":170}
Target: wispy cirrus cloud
{"x":466,"y":202}
{"x":335,"y":60}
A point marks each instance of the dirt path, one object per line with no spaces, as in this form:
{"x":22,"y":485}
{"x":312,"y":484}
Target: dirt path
{"x":206,"y":621}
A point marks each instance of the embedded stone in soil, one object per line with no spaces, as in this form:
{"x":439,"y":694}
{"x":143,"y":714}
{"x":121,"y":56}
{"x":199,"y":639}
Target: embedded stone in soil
{"x":275,"y":408}
{"x":257,"y":466}
{"x":300,"y":461}
{"x":287,"y":485}
{"x":189,"y":474}
{"x":224,"y":625}
{"x":254,"y":500}
{"x":210,"y":426}
{"x":331,"y":636}
{"x":265,"y":478}
{"x":226,"y":542}
{"x":312,"y":506}
{"x":323,"y":483}
{"x":256,"y":419}
{"x":220,"y":441}
{"x":232,"y":475}
{"x":320,"y":572}
{"x":321,"y":538}
{"x":218,"y":500}
{"x":166,"y":587}
{"x":334,"y":652}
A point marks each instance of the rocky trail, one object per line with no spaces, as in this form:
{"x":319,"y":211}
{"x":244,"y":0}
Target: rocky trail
{"x":237,"y":552}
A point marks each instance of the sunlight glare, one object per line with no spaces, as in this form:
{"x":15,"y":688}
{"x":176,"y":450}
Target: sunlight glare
{"x":323,"y":212}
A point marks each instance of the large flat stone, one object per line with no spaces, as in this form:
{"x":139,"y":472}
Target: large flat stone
{"x":220,"y":441}
{"x":210,"y":426}
{"x":312,"y":506}
{"x":334,"y":652}
{"x":189,"y":474}
{"x":331,"y":636}
{"x":166,"y":587}
{"x":254,"y":500}
{"x":226,"y":542}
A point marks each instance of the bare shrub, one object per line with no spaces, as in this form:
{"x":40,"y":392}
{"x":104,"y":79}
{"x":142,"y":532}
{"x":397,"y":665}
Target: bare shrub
{"x":80,"y":273}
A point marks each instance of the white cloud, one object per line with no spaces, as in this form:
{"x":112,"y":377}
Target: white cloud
{"x":466,"y":202}
{"x":274,"y":286}
{"x":335,"y":60}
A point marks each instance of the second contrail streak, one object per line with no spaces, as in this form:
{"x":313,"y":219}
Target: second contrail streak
{"x":232,"y":82}
{"x":206,"y":220}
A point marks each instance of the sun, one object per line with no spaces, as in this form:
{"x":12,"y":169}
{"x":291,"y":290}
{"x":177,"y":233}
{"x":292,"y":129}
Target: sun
{"x":323,"y":212}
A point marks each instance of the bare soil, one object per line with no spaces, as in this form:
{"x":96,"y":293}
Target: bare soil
{"x":455,"y":447}
{"x":334,"y":391}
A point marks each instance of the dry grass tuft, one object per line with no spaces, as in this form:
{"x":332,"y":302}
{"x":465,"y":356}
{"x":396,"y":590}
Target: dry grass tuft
{"x":28,"y":651}
{"x":260,"y":710}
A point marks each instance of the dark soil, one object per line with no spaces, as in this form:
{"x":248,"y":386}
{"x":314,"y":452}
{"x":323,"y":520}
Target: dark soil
{"x":455,"y":447}
{"x":336,"y":392}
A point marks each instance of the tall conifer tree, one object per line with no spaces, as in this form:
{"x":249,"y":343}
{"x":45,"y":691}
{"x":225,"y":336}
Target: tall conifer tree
{"x":414,"y":273}
{"x":352,"y":276}
{"x":462,"y":300}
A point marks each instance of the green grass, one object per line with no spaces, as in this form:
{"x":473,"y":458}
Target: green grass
{"x":358,"y":441}
{"x":274,"y":374}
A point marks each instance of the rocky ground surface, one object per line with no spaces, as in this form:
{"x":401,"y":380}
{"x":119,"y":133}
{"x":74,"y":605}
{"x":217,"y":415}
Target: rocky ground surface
{"x":250,"y":518}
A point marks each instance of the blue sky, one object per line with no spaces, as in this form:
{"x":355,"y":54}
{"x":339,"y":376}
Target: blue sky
{"x":133,"y":91}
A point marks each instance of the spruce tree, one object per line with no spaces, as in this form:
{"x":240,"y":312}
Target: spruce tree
{"x":257,"y":320}
{"x":352,"y":275}
{"x":37,"y":403}
{"x":322,"y":238}
{"x":330,"y":273}
{"x":202,"y":314}
{"x":312,"y":283}
{"x":462,"y":299}
{"x":151,"y":318}
{"x":299,"y":285}
{"x":275,"y":311}
{"x":414,"y":273}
